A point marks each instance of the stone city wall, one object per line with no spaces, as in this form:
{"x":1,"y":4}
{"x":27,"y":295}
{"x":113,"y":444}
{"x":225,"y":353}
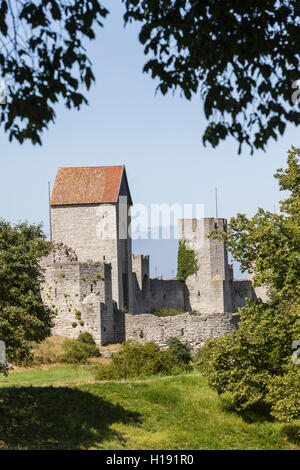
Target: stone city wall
{"x":196,"y":329}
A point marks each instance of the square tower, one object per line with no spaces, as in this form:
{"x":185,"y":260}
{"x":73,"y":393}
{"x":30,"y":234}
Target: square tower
{"x":90,"y":212}
{"x":209,"y":290}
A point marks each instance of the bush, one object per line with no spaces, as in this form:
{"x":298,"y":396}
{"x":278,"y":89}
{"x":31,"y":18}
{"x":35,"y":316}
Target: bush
{"x":203,"y":357}
{"x":78,"y":352}
{"x":86,"y":338}
{"x":182,"y":350}
{"x":137,"y":360}
{"x":251,"y":363}
{"x":284,"y":394}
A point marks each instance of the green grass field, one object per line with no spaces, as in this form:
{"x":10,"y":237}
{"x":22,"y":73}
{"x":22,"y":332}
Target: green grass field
{"x":62,"y":407}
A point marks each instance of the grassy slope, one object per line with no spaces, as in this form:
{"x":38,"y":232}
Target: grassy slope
{"x":179,"y":412}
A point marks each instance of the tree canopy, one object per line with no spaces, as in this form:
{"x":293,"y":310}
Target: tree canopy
{"x":269,"y":244}
{"x":23,"y":317}
{"x":43,"y":59}
{"x":242,"y":58}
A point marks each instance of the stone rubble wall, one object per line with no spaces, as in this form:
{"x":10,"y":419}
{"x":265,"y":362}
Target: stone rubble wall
{"x":196,"y":329}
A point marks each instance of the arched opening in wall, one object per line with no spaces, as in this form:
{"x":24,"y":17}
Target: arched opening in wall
{"x":145,"y":284}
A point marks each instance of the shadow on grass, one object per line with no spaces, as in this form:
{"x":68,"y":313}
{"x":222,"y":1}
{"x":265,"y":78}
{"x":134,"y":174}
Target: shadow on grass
{"x":292,"y":432}
{"x":258,"y":413}
{"x":57,"y":418}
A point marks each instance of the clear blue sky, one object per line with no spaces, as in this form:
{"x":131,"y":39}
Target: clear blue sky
{"x":157,"y":138}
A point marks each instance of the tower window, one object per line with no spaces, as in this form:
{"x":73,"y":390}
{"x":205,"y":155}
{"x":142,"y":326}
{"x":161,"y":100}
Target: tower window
{"x":103,"y":258}
{"x":198,"y":293}
{"x":91,"y":287}
{"x":216,"y":226}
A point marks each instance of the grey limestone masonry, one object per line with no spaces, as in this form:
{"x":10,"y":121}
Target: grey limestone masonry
{"x":80,"y":295}
{"x":209,"y":289}
{"x":91,"y":230}
{"x":195,"y":329}
{"x":91,"y":279}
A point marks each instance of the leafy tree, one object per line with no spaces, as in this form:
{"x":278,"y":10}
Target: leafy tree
{"x":254,"y":363}
{"x":243,"y":58}
{"x":23,"y":318}
{"x":43,"y":59}
{"x":183,"y":350}
{"x":187,"y":263}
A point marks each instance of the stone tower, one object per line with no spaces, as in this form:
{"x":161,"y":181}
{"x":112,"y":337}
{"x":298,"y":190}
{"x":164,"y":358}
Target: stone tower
{"x":209,"y":290}
{"x":89,"y":210}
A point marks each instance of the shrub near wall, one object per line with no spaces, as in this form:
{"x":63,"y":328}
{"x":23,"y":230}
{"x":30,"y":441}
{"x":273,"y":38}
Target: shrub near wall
{"x":136,"y":360}
{"x":78,"y":352}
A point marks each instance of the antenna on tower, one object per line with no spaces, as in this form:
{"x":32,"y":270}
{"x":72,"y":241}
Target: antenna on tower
{"x":50,"y":223}
{"x":216,"y":192}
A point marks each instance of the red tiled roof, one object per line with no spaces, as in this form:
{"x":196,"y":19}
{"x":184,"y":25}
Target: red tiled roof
{"x":87,"y":185}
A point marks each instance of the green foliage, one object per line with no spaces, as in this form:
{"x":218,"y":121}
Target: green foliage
{"x":78,"y":314}
{"x":187,"y":263}
{"x":78,"y":352}
{"x":86,"y":337}
{"x":269,"y":244}
{"x":138,"y":360}
{"x":23,"y":317}
{"x":49,"y":60}
{"x":254,"y":363}
{"x":240,"y":56}
{"x":167,"y":312}
{"x":245,"y":362}
{"x":284,"y":393}
{"x":202,"y":357}
{"x":182,"y":350}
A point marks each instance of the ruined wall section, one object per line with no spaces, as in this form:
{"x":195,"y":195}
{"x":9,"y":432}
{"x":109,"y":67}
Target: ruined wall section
{"x":66,"y":286}
{"x":196,"y":329}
